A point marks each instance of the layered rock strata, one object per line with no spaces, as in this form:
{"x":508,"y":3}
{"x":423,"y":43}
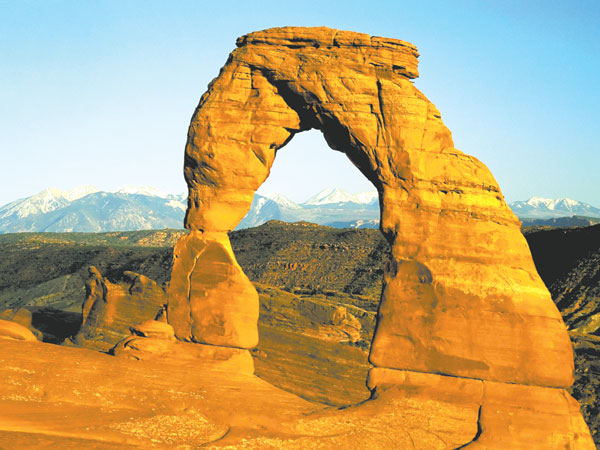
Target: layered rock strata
{"x":461,"y":296}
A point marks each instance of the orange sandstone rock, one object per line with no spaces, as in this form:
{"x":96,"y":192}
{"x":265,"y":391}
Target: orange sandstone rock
{"x":15,"y":331}
{"x":197,"y":356}
{"x":23,"y":317}
{"x":211,"y":300}
{"x":110,"y":309}
{"x":510,"y":416}
{"x":153,"y":329}
{"x":461,"y":295}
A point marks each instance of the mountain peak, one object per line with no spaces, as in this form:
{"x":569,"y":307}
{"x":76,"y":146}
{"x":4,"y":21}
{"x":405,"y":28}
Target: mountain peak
{"x":337,"y":195}
{"x":281,"y":199}
{"x":547,"y":208}
{"x":141,"y":190}
{"x":79,"y":192}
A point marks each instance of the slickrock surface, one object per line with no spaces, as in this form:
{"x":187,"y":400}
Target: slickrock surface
{"x":23,"y":317}
{"x":109,"y":309}
{"x":59,"y":397}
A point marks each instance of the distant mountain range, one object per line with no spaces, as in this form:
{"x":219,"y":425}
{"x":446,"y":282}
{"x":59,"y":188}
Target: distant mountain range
{"x":547,"y":208}
{"x":332,"y":207}
{"x":87,"y":209}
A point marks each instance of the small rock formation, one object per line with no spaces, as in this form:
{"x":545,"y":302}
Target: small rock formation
{"x":333,"y":321}
{"x":23,"y":317}
{"x":153,"y":329}
{"x":461,"y":297}
{"x":15,"y":331}
{"x":155,"y":340}
{"x":110,"y":309}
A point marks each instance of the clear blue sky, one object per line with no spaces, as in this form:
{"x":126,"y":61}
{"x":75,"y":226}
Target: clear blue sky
{"x":101,"y":92}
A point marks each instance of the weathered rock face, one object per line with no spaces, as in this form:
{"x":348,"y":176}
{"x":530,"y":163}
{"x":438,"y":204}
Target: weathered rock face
{"x":461,"y":295}
{"x":110,"y":309}
{"x":211,"y":300}
{"x":23,"y":317}
{"x":15,"y":331}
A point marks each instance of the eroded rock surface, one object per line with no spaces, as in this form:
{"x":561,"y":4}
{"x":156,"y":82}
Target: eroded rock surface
{"x":15,"y":331}
{"x":211,"y":300}
{"x":110,"y":309}
{"x":461,"y":296}
{"x":23,"y":317}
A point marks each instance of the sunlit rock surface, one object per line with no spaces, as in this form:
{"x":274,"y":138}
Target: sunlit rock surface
{"x":110,"y":309}
{"x":461,"y":296}
{"x":211,"y":300}
{"x":15,"y":331}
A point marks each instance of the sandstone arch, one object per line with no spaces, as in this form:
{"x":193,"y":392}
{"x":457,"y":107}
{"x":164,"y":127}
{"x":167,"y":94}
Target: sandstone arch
{"x":461,"y":295}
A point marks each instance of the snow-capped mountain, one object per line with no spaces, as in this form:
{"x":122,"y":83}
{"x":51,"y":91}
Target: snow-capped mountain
{"x":367,"y":198}
{"x":328,"y":196}
{"x":88,"y":209}
{"x":141,"y":190}
{"x":547,"y":208}
{"x":337,"y":195}
{"x":78,"y":192}
{"x":136,"y":208}
{"x":43,"y":202}
{"x":281,"y":200}
{"x":262,"y":210}
{"x":333,"y":207}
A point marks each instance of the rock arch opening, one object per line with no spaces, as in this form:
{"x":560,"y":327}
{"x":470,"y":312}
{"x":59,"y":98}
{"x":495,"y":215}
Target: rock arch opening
{"x":318,"y":287}
{"x":309,"y":182}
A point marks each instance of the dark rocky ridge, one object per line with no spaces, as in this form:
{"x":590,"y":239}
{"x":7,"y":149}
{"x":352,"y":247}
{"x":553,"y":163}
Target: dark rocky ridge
{"x":568,"y":260}
{"x":305,"y":255}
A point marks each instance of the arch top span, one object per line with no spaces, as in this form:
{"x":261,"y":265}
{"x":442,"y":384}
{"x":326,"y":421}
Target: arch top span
{"x":461,"y":295}
{"x":353,"y":87}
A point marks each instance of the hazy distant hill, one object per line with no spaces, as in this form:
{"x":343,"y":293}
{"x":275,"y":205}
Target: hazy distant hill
{"x":573,"y":221}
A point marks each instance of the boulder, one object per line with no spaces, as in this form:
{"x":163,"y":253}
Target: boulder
{"x":197,"y":356}
{"x":23,"y":317}
{"x":153,"y":329}
{"x":15,"y":331}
